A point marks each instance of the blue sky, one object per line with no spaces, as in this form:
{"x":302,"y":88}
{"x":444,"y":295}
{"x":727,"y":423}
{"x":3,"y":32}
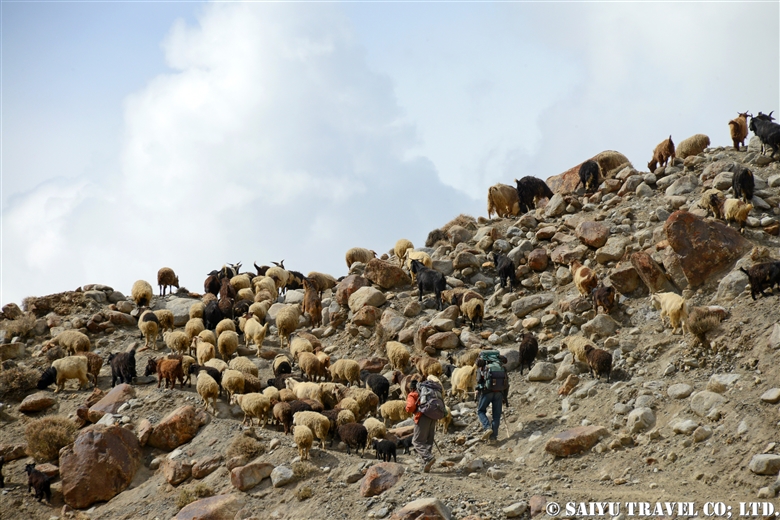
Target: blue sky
{"x":142,"y":135}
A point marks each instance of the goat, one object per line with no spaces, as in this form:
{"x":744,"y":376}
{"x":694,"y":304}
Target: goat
{"x":662,"y":154}
{"x":529,"y":189}
{"x":739,"y":129}
{"x":762,"y":276}
{"x":767,"y":131}
{"x":603,"y":296}
{"x":743,"y":184}
{"x":589,"y":176}
{"x":122,"y":367}
{"x":430,"y":280}
{"x":506,"y":269}
{"x":38,"y":481}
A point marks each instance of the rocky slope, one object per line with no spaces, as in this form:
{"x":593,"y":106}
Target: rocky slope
{"x":678,"y":421}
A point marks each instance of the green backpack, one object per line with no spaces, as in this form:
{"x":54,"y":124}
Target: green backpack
{"x":493,"y":374}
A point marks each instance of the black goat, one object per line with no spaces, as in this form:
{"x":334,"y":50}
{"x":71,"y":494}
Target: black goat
{"x":122,"y":367}
{"x":529,"y":189}
{"x":384,"y":449}
{"x":38,"y":481}
{"x":506,"y":269}
{"x":405,"y":443}
{"x":294,"y":281}
{"x":529,"y":348}
{"x":589,"y":176}
{"x":429,"y":280}
{"x":212,"y":315}
{"x":48,"y":378}
{"x":241,"y":307}
{"x":377,"y":383}
{"x":261,"y":270}
{"x":767,"y":131}
{"x":212,"y":284}
{"x":604,"y":296}
{"x":743,"y":184}
{"x":762,"y":276}
{"x":278,"y":381}
{"x":229,"y":270}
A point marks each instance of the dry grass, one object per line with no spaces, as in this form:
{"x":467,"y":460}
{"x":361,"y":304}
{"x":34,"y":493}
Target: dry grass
{"x":193,"y":493}
{"x":462,"y":220}
{"x":21,"y":326}
{"x":18,"y":380}
{"x":245,"y":446}
{"x":303,"y":492}
{"x":302,"y":469}
{"x":46,"y":436}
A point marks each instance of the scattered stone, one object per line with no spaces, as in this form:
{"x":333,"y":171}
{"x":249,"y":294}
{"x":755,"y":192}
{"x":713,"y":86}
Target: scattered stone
{"x":282,"y":475}
{"x":613,"y":251}
{"x":348,"y":286}
{"x":575,"y":440}
{"x":771,"y":396}
{"x":592,"y":234}
{"x":178,"y":427}
{"x":366,"y":296}
{"x":516,"y":509}
{"x":386,"y":275}
{"x":380,"y":477}
{"x":248,"y":476}
{"x":602,"y":325}
{"x":176,"y":470}
{"x":220,"y":507}
{"x":205,"y":467}
{"x":111,"y":402}
{"x":679,"y":391}
{"x":427,"y":508}
{"x":765,"y":464}
{"x":443,"y":341}
{"x":640,"y":419}
{"x":702,"y":433}
{"x":542,"y":371}
{"x":650,"y":273}
{"x":37,"y":402}
{"x":528,"y":304}
{"x":538,"y":260}
{"x":705,"y":403}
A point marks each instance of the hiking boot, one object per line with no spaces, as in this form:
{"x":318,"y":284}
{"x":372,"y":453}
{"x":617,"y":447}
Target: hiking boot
{"x":429,"y":465}
{"x":486,"y":435}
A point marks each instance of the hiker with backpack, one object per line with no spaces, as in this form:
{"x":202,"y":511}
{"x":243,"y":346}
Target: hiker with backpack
{"x":427,"y":405}
{"x":492,"y":390}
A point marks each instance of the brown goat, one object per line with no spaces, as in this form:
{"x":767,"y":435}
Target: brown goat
{"x":739,"y":129}
{"x":663,"y":152}
{"x":312,"y":304}
{"x":168,"y":369}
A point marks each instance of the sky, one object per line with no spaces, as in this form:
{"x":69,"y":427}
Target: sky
{"x":190,"y":134}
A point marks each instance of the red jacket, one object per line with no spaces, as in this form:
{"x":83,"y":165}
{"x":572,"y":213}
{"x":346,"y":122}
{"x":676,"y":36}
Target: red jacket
{"x":411,"y":405}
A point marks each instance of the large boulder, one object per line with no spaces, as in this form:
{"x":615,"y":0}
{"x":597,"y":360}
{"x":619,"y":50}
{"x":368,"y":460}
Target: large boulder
{"x":386,"y":274}
{"x":100,"y":464}
{"x":593,"y":234}
{"x":37,"y":402}
{"x":178,"y":427}
{"x":380,"y":477}
{"x":705,"y":247}
{"x":220,"y":507}
{"x":732,"y":285}
{"x":392,"y":322}
{"x":465,"y":259}
{"x":180,"y":307}
{"x":443,"y":340}
{"x":250,"y":475}
{"x":565,"y":254}
{"x":348,"y":286}
{"x":366,"y":316}
{"x":524,"y":306}
{"x":651,"y":273}
{"x":366,"y":296}
{"x":624,"y":278}
{"x":613,"y":251}
{"x":423,"y":508}
{"x":575,"y":440}
{"x":706,"y":403}
{"x":111,"y":402}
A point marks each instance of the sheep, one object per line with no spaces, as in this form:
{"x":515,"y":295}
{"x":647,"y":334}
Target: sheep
{"x":252,"y":383}
{"x":599,"y":361}
{"x":762,"y":276}
{"x":700,"y":321}
{"x":584,"y":277}
{"x":272,"y":393}
{"x":662,"y":154}
{"x":244,"y":364}
{"x":217,"y":364}
{"x":212,"y":315}
{"x":350,"y":404}
{"x":397,"y":354}
{"x":208,"y":298}
{"x":743,"y":184}
{"x":506,"y":269}
{"x":738,"y":128}
{"x":576,"y":345}
{"x":311,"y":366}
{"x":122,"y":367}
{"x":233,"y":382}
{"x":693,"y":145}
{"x":304,"y":438}
{"x":736,"y":210}
{"x":405,"y":443}
{"x":72,"y":341}
{"x":767,"y":131}
{"x":427,"y":366}
{"x":253,"y":405}
{"x":604,"y":297}
{"x":299,"y":345}
{"x":141,"y":293}
{"x":280,"y":382}
{"x":204,"y":351}
{"x":332,"y":393}
{"x":241,"y":281}
{"x":283,"y":415}
{"x":94,"y":364}
{"x":444,"y":423}
{"x":225,"y":308}
{"x":168,"y":369}
{"x":226,"y":290}
{"x":529,"y":190}
{"x":503,"y":201}
{"x":71,"y":367}
{"x":322,"y":281}
{"x":186,"y":363}
{"x":712,"y":200}
{"x":177,"y":341}
{"x":227,"y":344}
{"x":401,"y":246}
{"x":589,"y":176}
{"x":316,"y":422}
{"x":345,"y":370}
{"x":674,"y":306}
{"x":474,"y":311}
{"x":286,"y":323}
{"x":430,"y":280}
{"x":298,"y":405}
{"x":167,"y":278}
{"x":193,"y":327}
{"x":366,"y":399}
{"x":294,"y":281}
{"x":259,"y":310}
{"x":467,"y":358}
{"x":421,"y":256}
{"x":312,"y":304}
{"x":393,"y":411}
{"x":281,"y":365}
{"x":280,"y":276}
{"x":215,"y":374}
{"x":464,"y":380}
{"x":353,"y":434}
{"x":378,"y":384}
{"x":150,"y":328}
{"x":359,"y":254}
{"x":196,"y":310}
{"x":264,"y":283}
{"x":324,"y":361}
{"x":38,"y":481}
{"x":207,"y":388}
{"x":241,"y":307}
{"x":304,"y":390}
{"x":254,"y":331}
{"x":224,"y":325}
{"x":376,"y":429}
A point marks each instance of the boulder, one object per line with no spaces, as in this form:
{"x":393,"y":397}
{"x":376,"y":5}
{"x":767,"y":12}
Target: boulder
{"x":366,"y":316}
{"x":180,"y":307}
{"x":13,"y":451}
{"x":443,"y":340}
{"x":386,"y":275}
{"x":542,"y":371}
{"x":765,"y":464}
{"x":204,"y":467}
{"x":443,"y":324}
{"x":366,"y":296}
{"x":443,"y":266}
{"x":120,"y":319}
{"x":575,"y":440}
{"x":250,"y":475}
{"x":37,"y":402}
{"x":100,"y":464}
{"x":465,"y":259}
{"x":613,"y":250}
{"x":705,"y":247}
{"x":650,"y":273}
{"x":524,"y":306}
{"x":705,"y":403}
{"x":458,"y":234}
{"x":681,"y":186}
{"x":566,"y":253}
{"x":348,"y":286}
{"x":380,"y":477}
{"x":640,"y":419}
{"x":538,"y":259}
{"x":556,"y":207}
{"x":176,"y":470}
{"x":591,"y":233}
{"x":512,"y":356}
{"x":423,"y":508}
{"x":281,"y":476}
{"x":774,"y":338}
{"x":111,"y":402}
{"x":373,"y":364}
{"x":392,"y":322}
{"x":679,"y":391}
{"x":412,"y":309}
{"x":178,"y":427}
{"x":601,"y":325}
{"x":220,"y":507}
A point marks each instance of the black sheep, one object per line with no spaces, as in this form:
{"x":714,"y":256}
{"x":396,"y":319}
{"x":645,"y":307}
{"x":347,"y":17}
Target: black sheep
{"x":332,"y":416}
{"x":353,"y":434}
{"x":241,"y":307}
{"x":599,"y":361}
{"x":212,"y":315}
{"x":529,"y":348}
{"x":38,"y":481}
{"x":589,"y":176}
{"x":506,"y":269}
{"x":226,"y":307}
{"x":429,"y":280}
{"x":213,"y":372}
{"x":281,"y":366}
{"x":743,"y":184}
{"x":48,"y":377}
{"x":762,"y":276}
{"x":405,"y":443}
{"x":299,"y":406}
{"x":529,"y":189}
{"x":122,"y":367}
{"x":384,"y":449}
{"x":279,"y":381}
{"x":378,"y":383}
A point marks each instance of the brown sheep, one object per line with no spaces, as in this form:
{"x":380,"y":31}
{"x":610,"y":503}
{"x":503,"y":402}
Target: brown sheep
{"x":167,"y":278}
{"x":503,"y":201}
{"x":663,"y":153}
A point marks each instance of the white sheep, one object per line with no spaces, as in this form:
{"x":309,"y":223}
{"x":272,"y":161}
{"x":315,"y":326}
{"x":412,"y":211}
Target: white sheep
{"x":227,"y":344}
{"x":576,"y":345}
{"x":193,"y":327}
{"x":464,"y":380}
{"x":71,"y":367}
{"x":351,"y":405}
{"x":196,"y":310}
{"x":694,"y":145}
{"x":287,"y":322}
{"x":398,"y":355}
{"x":223,"y":325}
{"x":204,"y":351}
{"x":72,"y":341}
{"x":359,"y":254}
{"x":165,"y":317}
{"x":259,"y":309}
{"x":675,"y":307}
{"x":376,"y":429}
{"x":166,"y":279}
{"x":299,"y":345}
{"x":712,"y":200}
{"x":149,"y":326}
{"x":141,"y":293}
{"x":208,"y":336}
{"x":280,"y":276}
{"x":346,"y":370}
{"x":304,"y":438}
{"x":233,"y":382}
{"x":272,"y":394}
{"x":253,"y":405}
{"x":255,"y":331}
{"x":316,"y":422}
{"x":244,"y":364}
{"x":245,"y":294}
{"x":394,"y":411}
{"x":323,"y":281}
{"x":401,"y":246}
{"x":304,"y":390}
{"x":177,"y":341}
{"x":217,"y":364}
{"x":207,"y":388}
{"x":241,"y":281}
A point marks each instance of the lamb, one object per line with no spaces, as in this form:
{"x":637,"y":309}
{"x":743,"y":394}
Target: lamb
{"x":304,"y":438}
{"x":736,"y":210}
{"x":122,"y":367}
{"x":376,"y":429}
{"x":712,"y":200}
{"x":694,"y":145}
{"x":743,"y":184}
{"x":204,"y":351}
{"x":576,"y":345}
{"x":283,"y":414}
{"x":503,"y":201}
{"x":244,"y":365}
{"x":281,"y":365}
{"x":353,"y":434}
{"x":177,"y":341}
{"x":322,"y":281}
{"x":427,"y":366}
{"x":529,"y":189}
{"x":762,"y":276}
{"x":428,"y":280}
{"x":506,"y":269}
{"x":584,"y":278}
{"x":150,"y":328}
{"x":385,"y":450}
{"x":227,"y":344}
{"x":300,"y":345}
{"x":378,"y":384}
{"x":345,"y":370}
{"x":71,"y":341}
{"x":233,"y":382}
{"x":405,"y":443}
{"x":589,"y":176}
{"x":286,"y":323}
{"x":663,"y":153}
{"x":94,"y":364}
{"x":604,"y":297}
{"x":599,"y":361}
{"x":464,"y":380}
{"x":738,"y":128}
{"x":193,"y":327}
{"x":312,"y":304}
{"x":38,"y":481}
{"x":316,"y":422}
{"x":71,"y":367}
{"x":398,"y":355}
{"x":393,"y":411}
{"x":168,"y":369}
{"x":253,"y":405}
{"x":167,"y":278}
{"x":141,"y":293}
{"x":223,"y":325}
{"x":207,"y":388}
{"x":359,"y":254}
{"x":674,"y":306}
{"x":401,"y":246}
{"x":215,"y":374}
{"x":529,"y":348}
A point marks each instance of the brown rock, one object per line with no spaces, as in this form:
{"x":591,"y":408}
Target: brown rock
{"x":349,"y":285}
{"x":674,"y":269}
{"x":458,"y":234}
{"x":13,"y":451}
{"x":650,"y":273}
{"x":567,"y":181}
{"x":37,"y":402}
{"x":366,"y":316}
{"x":204,"y":467}
{"x":566,"y":253}
{"x":50,"y":470}
{"x":12,"y":311}
{"x":178,"y":427}
{"x":111,"y":402}
{"x":220,"y":507}
{"x":250,"y":475}
{"x":380,"y":477}
{"x":773,"y":228}
{"x":386,"y":274}
{"x":546,"y":233}
{"x":176,"y":470}
{"x":443,"y":341}
{"x":575,"y":440}
{"x":423,"y":509}
{"x":121,"y":319}
{"x":592,"y":234}
{"x":406,"y":335}
{"x":705,"y":247}
{"x":612,"y":185}
{"x":421,"y":336}
{"x":537,"y":505}
{"x":624,"y":278}
{"x":99,"y":465}
{"x":465,"y":259}
{"x":401,"y":431}
{"x":144,"y":431}
{"x":96,"y":395}
{"x":372,"y":364}
{"x":537,"y":259}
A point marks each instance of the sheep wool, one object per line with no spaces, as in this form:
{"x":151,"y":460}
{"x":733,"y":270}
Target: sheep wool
{"x":141,"y":293}
{"x":304,"y":438}
{"x":227,"y":344}
{"x":207,"y":388}
{"x":316,"y":422}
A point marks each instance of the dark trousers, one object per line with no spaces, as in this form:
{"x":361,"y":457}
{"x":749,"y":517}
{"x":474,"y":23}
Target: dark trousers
{"x":494,"y":399}
{"x":422,"y":440}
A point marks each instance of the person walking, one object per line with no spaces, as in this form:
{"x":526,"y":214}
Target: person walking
{"x":427,"y":405}
{"x":492,"y":389}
